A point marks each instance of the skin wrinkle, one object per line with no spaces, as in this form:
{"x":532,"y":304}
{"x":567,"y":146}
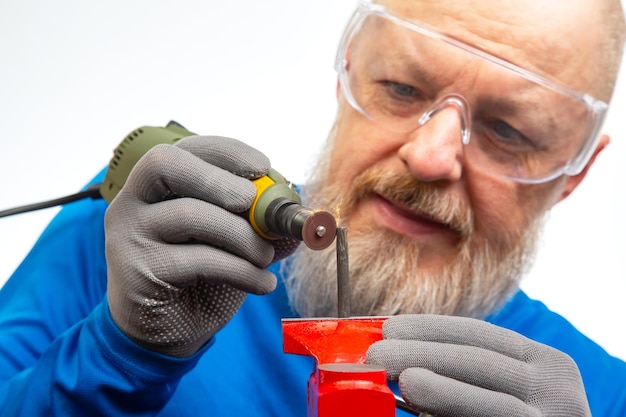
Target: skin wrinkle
{"x":459,"y":24}
{"x":533,"y":30}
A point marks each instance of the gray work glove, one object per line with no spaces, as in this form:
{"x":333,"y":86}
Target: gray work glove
{"x":454,"y":366}
{"x":181,"y":255}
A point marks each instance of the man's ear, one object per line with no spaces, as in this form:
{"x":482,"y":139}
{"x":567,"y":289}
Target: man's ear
{"x":573,"y":181}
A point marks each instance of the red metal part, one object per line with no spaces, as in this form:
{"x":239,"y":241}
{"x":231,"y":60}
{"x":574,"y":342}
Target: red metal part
{"x":342,"y":384}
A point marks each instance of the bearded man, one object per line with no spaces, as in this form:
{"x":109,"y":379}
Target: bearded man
{"x":459,"y":126}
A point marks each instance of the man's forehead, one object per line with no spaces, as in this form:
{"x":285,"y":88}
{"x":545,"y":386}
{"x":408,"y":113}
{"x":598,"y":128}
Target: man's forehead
{"x":493,"y":16}
{"x":553,"y":37}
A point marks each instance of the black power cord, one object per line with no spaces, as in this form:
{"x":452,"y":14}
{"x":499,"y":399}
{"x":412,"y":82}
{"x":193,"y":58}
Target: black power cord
{"x":127,"y":153}
{"x":93,"y":192}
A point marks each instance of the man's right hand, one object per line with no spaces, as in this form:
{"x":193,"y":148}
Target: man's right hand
{"x":181,"y":256}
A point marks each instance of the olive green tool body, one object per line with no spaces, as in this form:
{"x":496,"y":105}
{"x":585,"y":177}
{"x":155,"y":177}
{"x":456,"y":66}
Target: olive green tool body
{"x":277,"y":209}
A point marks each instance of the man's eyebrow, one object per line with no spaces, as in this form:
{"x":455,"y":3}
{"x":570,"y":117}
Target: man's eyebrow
{"x":504,"y":104}
{"x":512,"y":103}
{"x":417,"y":69}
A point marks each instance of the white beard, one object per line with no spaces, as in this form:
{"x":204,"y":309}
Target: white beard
{"x":385,"y":273}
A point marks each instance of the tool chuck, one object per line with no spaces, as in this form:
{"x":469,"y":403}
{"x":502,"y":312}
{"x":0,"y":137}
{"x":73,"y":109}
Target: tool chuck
{"x":278,"y":212}
{"x":315,"y":228}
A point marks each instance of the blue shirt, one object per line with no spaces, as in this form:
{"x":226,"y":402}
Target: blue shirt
{"x":62,"y":355}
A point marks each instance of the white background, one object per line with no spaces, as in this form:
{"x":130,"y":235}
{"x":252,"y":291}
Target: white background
{"x":77,"y":76}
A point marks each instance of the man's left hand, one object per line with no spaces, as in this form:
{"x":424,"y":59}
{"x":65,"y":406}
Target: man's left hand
{"x":456,"y":366}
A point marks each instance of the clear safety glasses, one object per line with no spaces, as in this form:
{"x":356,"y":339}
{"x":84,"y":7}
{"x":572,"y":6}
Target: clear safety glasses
{"x":514,"y":123}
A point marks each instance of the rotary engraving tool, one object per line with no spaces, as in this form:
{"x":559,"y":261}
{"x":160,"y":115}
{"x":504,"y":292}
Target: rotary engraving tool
{"x":277,"y":209}
{"x":277,"y":212}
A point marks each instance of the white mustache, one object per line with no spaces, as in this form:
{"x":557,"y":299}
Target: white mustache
{"x":425,"y":199}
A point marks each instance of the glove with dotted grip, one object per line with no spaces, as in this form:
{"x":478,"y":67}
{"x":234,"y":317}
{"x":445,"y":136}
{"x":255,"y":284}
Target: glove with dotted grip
{"x":455,"y":366}
{"x":181,"y":255}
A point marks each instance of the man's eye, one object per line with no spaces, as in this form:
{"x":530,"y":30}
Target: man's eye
{"x":508,"y":135}
{"x":400,"y":91}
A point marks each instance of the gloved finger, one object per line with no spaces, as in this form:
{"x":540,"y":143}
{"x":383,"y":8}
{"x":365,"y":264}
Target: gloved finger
{"x":167,"y":171}
{"x":284,"y":247}
{"x":186,"y":220}
{"x":469,"y":364}
{"x":457,"y":330}
{"x":438,"y":395}
{"x":186,"y":265}
{"x":229,"y":154}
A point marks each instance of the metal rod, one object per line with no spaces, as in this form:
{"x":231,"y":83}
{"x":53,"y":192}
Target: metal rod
{"x":343,"y":274}
{"x":402,"y":405}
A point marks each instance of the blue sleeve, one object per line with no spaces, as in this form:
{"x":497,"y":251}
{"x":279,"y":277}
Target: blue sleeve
{"x":93,"y":369}
{"x":60,"y":352}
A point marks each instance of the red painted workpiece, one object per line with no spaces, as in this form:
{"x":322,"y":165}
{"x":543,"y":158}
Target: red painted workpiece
{"x":342,"y":384}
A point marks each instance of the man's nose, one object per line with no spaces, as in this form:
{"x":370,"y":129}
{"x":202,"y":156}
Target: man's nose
{"x":434,"y":150}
